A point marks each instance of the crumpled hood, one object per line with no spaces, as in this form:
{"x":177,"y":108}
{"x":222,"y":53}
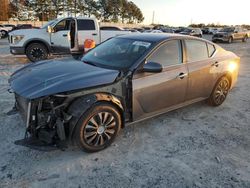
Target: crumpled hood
{"x":56,"y":76}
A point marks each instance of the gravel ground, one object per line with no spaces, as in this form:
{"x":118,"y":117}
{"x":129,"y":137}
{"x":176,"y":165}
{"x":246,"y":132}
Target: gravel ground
{"x":196,"y":146}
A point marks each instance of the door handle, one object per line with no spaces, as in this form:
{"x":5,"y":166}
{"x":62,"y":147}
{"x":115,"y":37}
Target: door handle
{"x":94,"y":34}
{"x":64,"y":35}
{"x":216,"y":64}
{"x":182,"y":75}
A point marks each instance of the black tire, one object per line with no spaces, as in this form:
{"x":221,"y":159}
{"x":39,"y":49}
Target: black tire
{"x":98,"y":127}
{"x":220,"y":91}
{"x":3,"y":33}
{"x":245,"y":39}
{"x":36,"y":52}
{"x":230,"y":40}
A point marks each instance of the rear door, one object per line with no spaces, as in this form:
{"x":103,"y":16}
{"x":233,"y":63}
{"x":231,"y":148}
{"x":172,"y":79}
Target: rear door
{"x":87,"y":29}
{"x":202,"y":68}
{"x":59,"y":38}
{"x":154,"y":93}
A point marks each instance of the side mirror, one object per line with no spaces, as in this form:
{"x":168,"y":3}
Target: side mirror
{"x":50,"y":29}
{"x":152,"y":67}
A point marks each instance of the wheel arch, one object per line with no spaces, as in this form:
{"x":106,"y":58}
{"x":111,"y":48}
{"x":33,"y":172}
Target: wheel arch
{"x":228,"y":75}
{"x":81,"y":104}
{"x":37,"y":41}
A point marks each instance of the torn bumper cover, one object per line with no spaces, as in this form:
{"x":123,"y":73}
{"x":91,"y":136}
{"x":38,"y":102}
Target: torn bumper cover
{"x":45,"y":122}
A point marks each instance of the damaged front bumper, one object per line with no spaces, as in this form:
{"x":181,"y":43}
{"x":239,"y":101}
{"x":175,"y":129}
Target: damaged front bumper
{"x":45,"y":120}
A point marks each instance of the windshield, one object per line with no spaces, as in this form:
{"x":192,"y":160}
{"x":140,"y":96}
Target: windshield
{"x":117,"y":53}
{"x":228,"y":29}
{"x":48,"y":23}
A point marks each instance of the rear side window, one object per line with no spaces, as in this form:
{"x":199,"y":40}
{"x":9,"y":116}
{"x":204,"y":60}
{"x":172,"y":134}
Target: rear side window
{"x":85,"y":25}
{"x":211,"y":49}
{"x":196,"y":50}
{"x":168,"y":54}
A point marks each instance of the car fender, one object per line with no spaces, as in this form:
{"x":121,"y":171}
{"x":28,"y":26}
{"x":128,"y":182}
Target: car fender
{"x":80,"y":105}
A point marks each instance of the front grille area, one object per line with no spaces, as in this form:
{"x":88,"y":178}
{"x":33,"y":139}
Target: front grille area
{"x":10,"y":39}
{"x":22,"y":106}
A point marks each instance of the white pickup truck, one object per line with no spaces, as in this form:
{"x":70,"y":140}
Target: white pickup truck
{"x":54,"y":37}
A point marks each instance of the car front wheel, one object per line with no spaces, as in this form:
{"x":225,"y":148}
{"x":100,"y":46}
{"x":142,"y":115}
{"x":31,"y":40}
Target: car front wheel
{"x":97,"y":128}
{"x":220,"y":92}
{"x":36,"y":52}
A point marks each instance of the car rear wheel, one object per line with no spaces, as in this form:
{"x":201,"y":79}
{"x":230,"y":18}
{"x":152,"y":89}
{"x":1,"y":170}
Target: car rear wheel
{"x":97,"y":128}
{"x":245,"y":39}
{"x":36,"y":52}
{"x":220,"y":92}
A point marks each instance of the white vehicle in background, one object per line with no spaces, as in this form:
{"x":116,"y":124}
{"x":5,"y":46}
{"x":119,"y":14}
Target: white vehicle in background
{"x":4,"y":29}
{"x":153,"y":31}
{"x":213,"y":31}
{"x":53,"y":38}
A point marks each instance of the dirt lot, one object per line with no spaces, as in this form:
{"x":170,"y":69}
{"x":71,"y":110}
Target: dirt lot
{"x":197,"y":146}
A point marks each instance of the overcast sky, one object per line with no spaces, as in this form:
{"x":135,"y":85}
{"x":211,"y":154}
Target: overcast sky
{"x":183,"y":12}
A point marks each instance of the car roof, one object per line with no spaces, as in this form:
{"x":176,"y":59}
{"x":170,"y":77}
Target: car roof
{"x":154,"y":37}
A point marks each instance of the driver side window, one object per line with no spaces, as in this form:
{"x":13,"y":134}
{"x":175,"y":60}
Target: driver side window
{"x":168,"y":54}
{"x":63,"y":25}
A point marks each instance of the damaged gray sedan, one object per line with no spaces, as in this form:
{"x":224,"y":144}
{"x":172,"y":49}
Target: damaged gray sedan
{"x":123,"y":80}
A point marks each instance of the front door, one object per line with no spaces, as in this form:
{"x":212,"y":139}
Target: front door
{"x":59,"y":38}
{"x":154,"y":93}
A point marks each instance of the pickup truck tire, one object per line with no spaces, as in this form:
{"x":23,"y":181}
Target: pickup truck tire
{"x":36,"y":52}
{"x":98,"y":127}
{"x":230,"y":40}
{"x":3,"y":33}
{"x":245,"y":39}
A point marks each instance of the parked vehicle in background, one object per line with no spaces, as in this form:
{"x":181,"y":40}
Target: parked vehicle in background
{"x":205,"y":30}
{"x":5,"y":29}
{"x":196,"y":32}
{"x":23,"y":26}
{"x":229,"y":34}
{"x":213,"y":31}
{"x":180,"y":29}
{"x":118,"y":82}
{"x":139,"y":29}
{"x":153,"y":31}
{"x":53,"y":37}
{"x":111,"y":28}
{"x":167,"y":30}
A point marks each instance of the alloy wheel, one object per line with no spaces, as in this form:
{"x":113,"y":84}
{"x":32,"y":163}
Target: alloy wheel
{"x":221,"y":91}
{"x":37,"y":53}
{"x":100,"y":129}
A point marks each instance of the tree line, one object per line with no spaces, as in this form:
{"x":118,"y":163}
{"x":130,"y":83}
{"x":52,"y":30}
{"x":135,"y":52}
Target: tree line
{"x":105,"y":10}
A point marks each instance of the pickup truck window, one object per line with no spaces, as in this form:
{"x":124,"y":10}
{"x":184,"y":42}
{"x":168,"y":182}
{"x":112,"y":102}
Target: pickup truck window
{"x":85,"y":25}
{"x":62,"y":25}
